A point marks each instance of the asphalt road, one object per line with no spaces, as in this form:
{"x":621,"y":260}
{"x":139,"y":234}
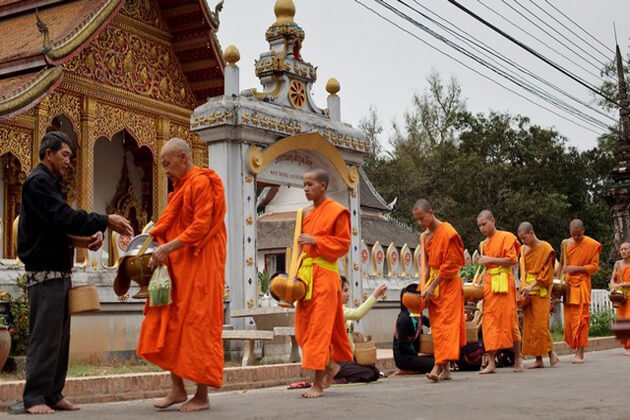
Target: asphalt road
{"x":598,"y":389}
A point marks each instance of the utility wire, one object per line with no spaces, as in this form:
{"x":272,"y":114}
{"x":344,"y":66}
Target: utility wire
{"x":535,"y":53}
{"x":601,"y":63}
{"x":473,"y":69}
{"x":480,"y":45}
{"x":568,"y":29}
{"x":500,"y":71}
{"x":578,"y":25}
{"x":539,"y":40}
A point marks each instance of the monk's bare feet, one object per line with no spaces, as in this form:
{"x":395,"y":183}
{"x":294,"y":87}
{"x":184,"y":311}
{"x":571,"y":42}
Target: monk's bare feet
{"x":332,"y":370}
{"x":626,"y":352}
{"x":40,"y":409}
{"x":173,"y":397}
{"x":488,"y":370}
{"x":578,"y":360}
{"x":434,"y":375}
{"x":518,"y":368}
{"x":538,"y":364}
{"x":65,"y":405}
{"x":553,"y":359}
{"x":196,"y":403}
{"x":316,"y":391}
{"x":445,"y":375}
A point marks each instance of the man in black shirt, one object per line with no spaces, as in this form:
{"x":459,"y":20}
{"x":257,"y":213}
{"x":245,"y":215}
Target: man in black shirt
{"x":43,"y":245}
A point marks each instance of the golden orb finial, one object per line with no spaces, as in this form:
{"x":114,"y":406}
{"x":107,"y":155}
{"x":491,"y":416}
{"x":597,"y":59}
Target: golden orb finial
{"x":284,"y":10}
{"x":231,"y":55}
{"x":333,"y":86}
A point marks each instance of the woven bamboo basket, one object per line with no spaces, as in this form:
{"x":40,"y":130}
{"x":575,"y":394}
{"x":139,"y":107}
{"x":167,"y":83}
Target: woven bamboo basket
{"x":426,"y":343}
{"x":472,"y":332}
{"x":83,"y":299}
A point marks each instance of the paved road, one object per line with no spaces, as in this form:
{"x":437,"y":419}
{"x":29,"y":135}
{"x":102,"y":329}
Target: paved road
{"x":599,"y":389}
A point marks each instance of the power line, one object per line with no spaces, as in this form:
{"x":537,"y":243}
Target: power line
{"x":602,"y":64}
{"x":568,"y":29}
{"x":473,"y":69}
{"x":505,"y":74}
{"x":534,"y":52}
{"x":479,"y":45}
{"x":539,"y":40}
{"x":578,"y":25}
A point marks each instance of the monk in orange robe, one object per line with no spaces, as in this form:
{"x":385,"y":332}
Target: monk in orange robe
{"x":621,"y":275}
{"x":184,"y":337}
{"x":320,"y":328}
{"x":500,"y":329}
{"x":579,"y":264}
{"x":537,"y":268}
{"x":443,"y":293}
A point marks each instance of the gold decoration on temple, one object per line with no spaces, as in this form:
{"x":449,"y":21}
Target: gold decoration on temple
{"x":355,"y":232}
{"x":232,"y":55}
{"x":249,"y":261}
{"x":111,"y":64}
{"x":249,"y":220}
{"x":332,"y":86}
{"x":365,"y":296}
{"x":353,"y":193}
{"x":182,"y":92}
{"x":249,"y":179}
{"x":144,"y":75}
{"x":128,"y":63}
{"x":164,"y":85}
{"x":357,"y":302}
{"x":284,"y":11}
{"x":89,"y":62}
{"x":297,"y":94}
{"x":250,"y":303}
{"x":166,"y":59}
{"x":355,"y":266}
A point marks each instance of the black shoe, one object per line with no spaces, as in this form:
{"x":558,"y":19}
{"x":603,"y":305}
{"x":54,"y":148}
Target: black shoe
{"x":17,"y":408}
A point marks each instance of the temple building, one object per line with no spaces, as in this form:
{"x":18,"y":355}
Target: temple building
{"x":120,"y":77}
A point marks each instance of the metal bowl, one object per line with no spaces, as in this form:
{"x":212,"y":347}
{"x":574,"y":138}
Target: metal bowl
{"x":135,"y":267}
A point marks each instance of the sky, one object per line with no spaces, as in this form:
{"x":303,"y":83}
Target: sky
{"x":379,"y":65}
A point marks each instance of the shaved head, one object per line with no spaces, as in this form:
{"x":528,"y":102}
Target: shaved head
{"x":320,"y":175}
{"x":485,"y":214}
{"x":176,"y":145}
{"x":525,"y":227}
{"x":576,"y":224}
{"x":423,"y":205}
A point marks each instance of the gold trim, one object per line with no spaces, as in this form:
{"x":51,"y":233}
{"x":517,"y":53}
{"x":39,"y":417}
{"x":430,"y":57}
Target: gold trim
{"x":275,"y":92}
{"x":405,"y":248}
{"x":70,"y":45}
{"x":30,"y":93}
{"x":258,"y":160}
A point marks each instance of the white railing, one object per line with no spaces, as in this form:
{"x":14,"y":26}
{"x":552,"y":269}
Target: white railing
{"x":600,"y":301}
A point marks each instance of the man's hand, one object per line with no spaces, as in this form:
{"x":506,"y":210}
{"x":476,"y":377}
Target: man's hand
{"x":569,"y":269}
{"x":525,"y":290}
{"x":119,"y":224}
{"x":483,"y":260}
{"x":305,"y":239}
{"x":97,"y":241}
{"x":158,"y":257}
{"x":428,"y":292}
{"x":380,"y":291}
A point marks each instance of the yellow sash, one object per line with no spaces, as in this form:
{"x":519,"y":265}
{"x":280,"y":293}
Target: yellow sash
{"x":528,"y":279}
{"x":433,"y":273}
{"x":306,"y":272}
{"x":499,"y":277}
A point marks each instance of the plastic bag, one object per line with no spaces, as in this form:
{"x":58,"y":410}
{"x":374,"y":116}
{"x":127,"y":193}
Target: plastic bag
{"x":160,"y":287}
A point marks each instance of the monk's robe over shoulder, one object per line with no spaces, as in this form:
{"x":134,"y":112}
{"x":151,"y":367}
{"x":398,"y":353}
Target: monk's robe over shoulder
{"x":185,"y":337}
{"x":577,"y":316}
{"x":445,"y":256}
{"x":499,"y":293}
{"x":539,"y":266}
{"x":320,"y":329}
{"x":624,"y":311}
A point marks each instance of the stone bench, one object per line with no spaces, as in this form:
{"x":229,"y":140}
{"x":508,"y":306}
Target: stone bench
{"x":289,"y":332}
{"x":249,"y":337}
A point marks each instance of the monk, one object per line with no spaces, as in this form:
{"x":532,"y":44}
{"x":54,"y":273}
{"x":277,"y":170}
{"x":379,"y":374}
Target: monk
{"x":579,"y":261}
{"x":443,"y":293}
{"x":185,"y":337}
{"x":499,"y":254}
{"x":320,"y":328}
{"x":621,"y":275}
{"x":537,"y":268}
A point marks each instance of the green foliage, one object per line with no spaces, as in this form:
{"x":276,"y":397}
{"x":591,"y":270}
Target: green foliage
{"x":557,"y":332}
{"x":264,"y":278}
{"x":467,"y":272}
{"x":19,"y":308}
{"x":601,"y":323}
{"x":464,"y":163}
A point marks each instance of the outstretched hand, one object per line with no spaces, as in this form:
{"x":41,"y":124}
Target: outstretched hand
{"x":97,"y":241}
{"x":119,"y":224}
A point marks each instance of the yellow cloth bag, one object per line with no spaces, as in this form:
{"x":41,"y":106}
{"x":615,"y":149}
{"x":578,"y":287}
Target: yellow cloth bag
{"x":306,"y":272}
{"x":499,"y":278}
{"x":536,"y":290}
{"x":432,"y":275}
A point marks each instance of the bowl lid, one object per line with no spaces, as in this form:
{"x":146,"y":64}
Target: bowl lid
{"x":135,"y":244}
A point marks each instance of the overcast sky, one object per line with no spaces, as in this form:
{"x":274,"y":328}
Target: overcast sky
{"x":379,"y":65}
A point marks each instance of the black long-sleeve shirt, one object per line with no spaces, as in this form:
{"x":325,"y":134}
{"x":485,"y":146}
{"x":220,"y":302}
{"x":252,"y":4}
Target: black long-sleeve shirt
{"x":45,"y":221}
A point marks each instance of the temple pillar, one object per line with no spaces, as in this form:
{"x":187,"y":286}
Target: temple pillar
{"x":39,"y":130}
{"x":85,"y":199}
{"x":354,"y":255}
{"x":160,"y":182}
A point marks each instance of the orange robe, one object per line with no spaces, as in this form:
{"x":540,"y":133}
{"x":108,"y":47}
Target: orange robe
{"x":624,"y":310}
{"x":540,"y":262}
{"x":320,"y":328}
{"x":499,"y":315}
{"x":445,"y":253}
{"x":577,"y":314}
{"x":185,"y":336}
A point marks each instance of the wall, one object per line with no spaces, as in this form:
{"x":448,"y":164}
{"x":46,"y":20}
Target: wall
{"x":6,"y":224}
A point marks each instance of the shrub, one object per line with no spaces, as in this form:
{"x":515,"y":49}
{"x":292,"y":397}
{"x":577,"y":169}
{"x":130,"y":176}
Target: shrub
{"x":601,"y":323}
{"x":19,"y":320}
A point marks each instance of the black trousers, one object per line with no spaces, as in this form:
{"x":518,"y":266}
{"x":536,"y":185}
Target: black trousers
{"x":49,"y":343}
{"x":351,"y":372}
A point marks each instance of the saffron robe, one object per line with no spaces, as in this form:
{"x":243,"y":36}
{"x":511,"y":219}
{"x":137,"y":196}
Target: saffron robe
{"x":577,"y":315}
{"x":445,"y":253}
{"x":185,"y":336}
{"x":320,"y":329}
{"x":624,"y":310}
{"x":539,"y":261}
{"x":499,"y":323}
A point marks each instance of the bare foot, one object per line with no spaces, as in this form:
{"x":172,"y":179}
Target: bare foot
{"x":173,"y":397}
{"x":518,"y":369}
{"x":626,"y":352}
{"x":195,"y":404}
{"x":445,"y":375}
{"x":433,"y":377}
{"x":538,"y":364}
{"x":487,"y":371}
{"x":65,"y":405}
{"x":578,"y":360}
{"x":315,"y":392}
{"x":40,"y":409}
{"x":331,"y":370}
{"x":553,"y":359}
